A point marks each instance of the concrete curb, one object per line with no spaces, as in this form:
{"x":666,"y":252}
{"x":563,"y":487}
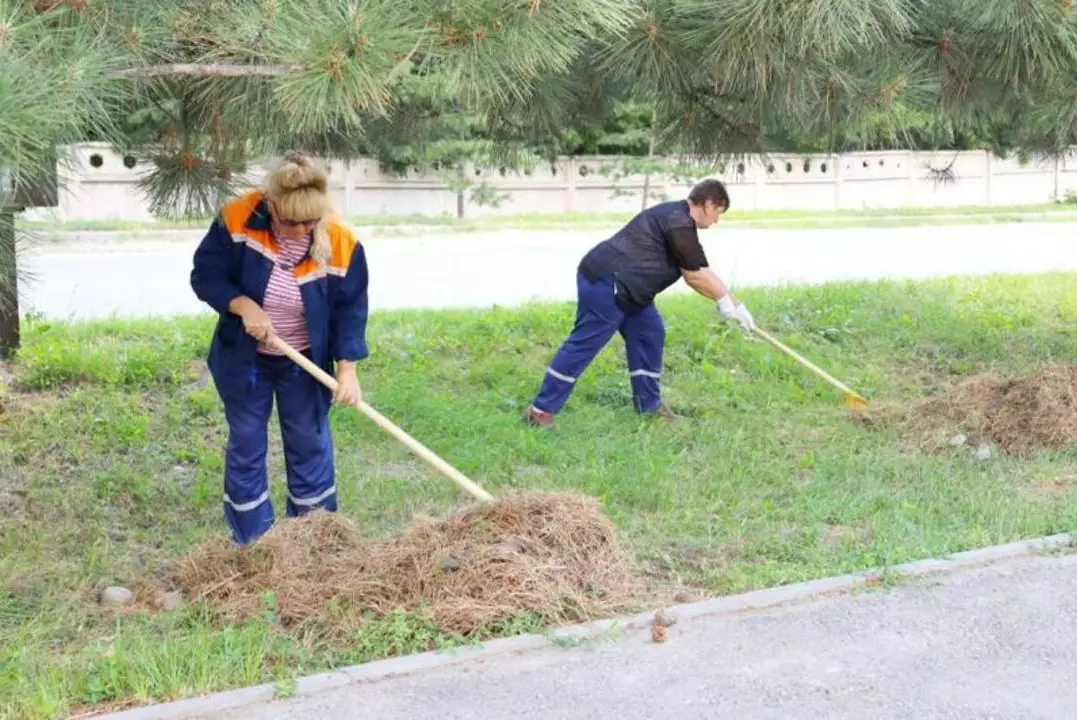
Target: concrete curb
{"x":209,"y":705}
{"x":838,"y":222}
{"x":105,"y":237}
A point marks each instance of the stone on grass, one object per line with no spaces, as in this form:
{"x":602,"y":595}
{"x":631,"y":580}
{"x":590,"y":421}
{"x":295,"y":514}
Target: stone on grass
{"x":172,"y":601}
{"x":116,"y":596}
{"x":684,"y":597}
{"x":983,"y":452}
{"x":958,"y":440}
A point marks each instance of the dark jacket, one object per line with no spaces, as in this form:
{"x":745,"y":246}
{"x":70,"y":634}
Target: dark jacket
{"x":647,"y":255}
{"x":235,"y":258}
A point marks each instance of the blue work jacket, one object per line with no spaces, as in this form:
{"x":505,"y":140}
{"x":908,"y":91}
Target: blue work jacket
{"x":235,"y":258}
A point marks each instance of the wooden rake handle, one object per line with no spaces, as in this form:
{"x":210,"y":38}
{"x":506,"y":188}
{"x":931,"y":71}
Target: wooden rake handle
{"x":849,"y":392}
{"x":385,"y":424}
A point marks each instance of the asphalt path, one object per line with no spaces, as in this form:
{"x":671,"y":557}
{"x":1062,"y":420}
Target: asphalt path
{"x":994,"y":642}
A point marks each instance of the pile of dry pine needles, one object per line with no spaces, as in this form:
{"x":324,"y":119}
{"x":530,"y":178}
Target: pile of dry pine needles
{"x":552,"y":555}
{"x":1019,"y":415}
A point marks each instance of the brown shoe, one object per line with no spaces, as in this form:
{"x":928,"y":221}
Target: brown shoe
{"x":538,"y":418}
{"x":666,"y":413}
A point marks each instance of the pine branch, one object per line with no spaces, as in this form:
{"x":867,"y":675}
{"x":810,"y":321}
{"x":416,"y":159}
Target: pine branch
{"x":204,"y":70}
{"x":204,"y":87}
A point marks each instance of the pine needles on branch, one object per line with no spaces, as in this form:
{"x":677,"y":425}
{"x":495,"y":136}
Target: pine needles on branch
{"x":204,"y":87}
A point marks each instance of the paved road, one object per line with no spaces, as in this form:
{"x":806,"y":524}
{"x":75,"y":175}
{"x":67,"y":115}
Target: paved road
{"x":998,"y":642}
{"x":512,"y":267}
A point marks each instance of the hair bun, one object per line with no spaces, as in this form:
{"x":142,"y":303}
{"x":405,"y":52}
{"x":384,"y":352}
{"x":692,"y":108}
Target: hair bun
{"x":299,"y":172}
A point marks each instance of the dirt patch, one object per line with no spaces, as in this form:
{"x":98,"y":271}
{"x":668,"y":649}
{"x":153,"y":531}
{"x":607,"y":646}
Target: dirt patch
{"x":552,"y":555}
{"x":679,"y":566}
{"x":836,"y":536}
{"x":1019,"y":415}
{"x":401,"y":470}
{"x":197,"y":375}
{"x":14,"y":500}
{"x":1049,"y":488}
{"x":529,"y":471}
{"x":17,"y":402}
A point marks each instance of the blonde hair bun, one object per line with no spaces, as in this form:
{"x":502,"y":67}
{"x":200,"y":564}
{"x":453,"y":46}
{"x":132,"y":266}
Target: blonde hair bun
{"x":297,"y":172}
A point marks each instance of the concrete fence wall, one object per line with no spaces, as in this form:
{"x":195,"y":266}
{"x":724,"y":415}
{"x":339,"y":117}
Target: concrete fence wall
{"x":98,"y":184}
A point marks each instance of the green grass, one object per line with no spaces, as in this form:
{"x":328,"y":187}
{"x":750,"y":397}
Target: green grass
{"x":401,"y":224}
{"x":110,"y":463}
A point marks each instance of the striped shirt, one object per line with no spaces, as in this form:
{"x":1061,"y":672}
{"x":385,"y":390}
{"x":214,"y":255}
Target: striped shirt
{"x":283,"y":302}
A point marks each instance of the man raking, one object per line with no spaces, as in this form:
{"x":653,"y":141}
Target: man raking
{"x":617,"y":282}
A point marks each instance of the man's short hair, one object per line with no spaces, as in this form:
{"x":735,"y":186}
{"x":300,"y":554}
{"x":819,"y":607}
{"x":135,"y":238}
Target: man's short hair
{"x":709,"y":189}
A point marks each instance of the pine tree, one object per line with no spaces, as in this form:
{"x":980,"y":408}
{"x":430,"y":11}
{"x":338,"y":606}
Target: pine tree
{"x":204,"y":87}
{"x":728,"y":75}
{"x":201,"y":87}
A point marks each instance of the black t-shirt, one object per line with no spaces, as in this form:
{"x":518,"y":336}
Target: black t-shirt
{"x":647,"y":255}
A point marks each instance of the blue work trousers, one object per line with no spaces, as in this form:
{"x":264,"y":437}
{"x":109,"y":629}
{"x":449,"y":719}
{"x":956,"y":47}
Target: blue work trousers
{"x":597,"y":318}
{"x":308,"y":448}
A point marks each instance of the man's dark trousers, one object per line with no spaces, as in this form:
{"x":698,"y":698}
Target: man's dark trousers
{"x":597,"y":318}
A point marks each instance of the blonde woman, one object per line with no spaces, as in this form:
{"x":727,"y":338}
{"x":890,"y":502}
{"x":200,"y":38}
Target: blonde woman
{"x":276,"y":262}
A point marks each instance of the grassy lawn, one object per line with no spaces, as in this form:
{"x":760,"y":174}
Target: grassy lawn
{"x":399,"y":224}
{"x":110,"y":464}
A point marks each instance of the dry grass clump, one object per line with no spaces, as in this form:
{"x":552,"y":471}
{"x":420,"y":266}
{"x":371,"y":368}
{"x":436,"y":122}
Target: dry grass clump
{"x":552,"y":555}
{"x":1019,"y":415}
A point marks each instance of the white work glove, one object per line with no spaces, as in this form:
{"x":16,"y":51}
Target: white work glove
{"x":728,"y":310}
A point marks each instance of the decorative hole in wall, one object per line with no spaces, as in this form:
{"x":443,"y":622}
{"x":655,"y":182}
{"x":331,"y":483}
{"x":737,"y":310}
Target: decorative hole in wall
{"x":584,"y":170}
{"x":129,"y":161}
{"x":501,"y":171}
{"x":789,"y":167}
{"x":96,"y":160}
{"x":740,"y":168}
{"x":553,"y":169}
{"x":807,"y":166}
{"x":865,"y":163}
{"x":822,"y":167}
{"x":478,"y":171}
{"x":770,"y":169}
{"x":881,"y":162}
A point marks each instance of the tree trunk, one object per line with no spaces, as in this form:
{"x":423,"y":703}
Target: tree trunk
{"x":9,"y":287}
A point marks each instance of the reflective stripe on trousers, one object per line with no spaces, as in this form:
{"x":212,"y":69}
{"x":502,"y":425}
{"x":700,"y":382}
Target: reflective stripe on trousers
{"x":597,"y":319}
{"x":308,"y":449}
